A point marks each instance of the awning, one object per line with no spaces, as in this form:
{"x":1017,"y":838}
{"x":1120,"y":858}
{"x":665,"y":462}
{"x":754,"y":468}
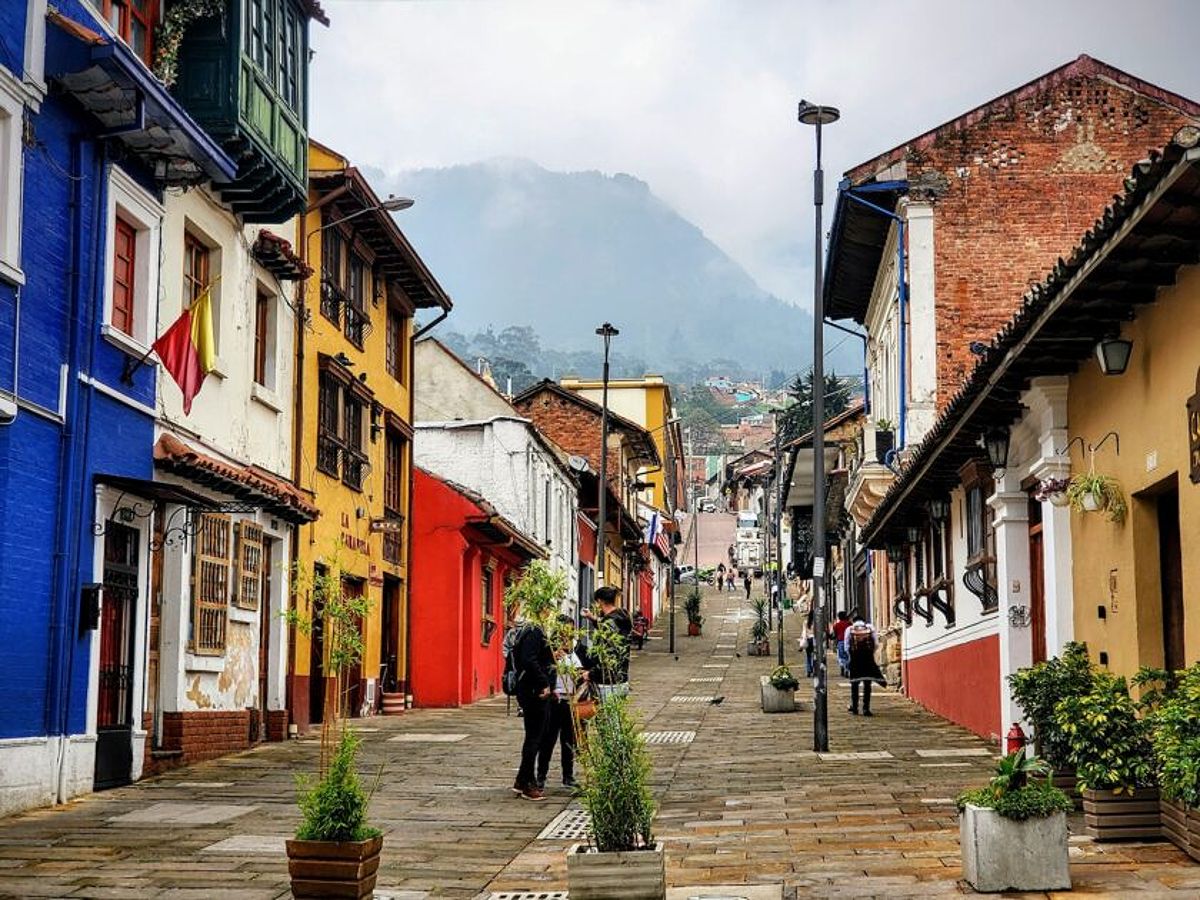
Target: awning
{"x":135,"y":108}
{"x":496,"y":530}
{"x":801,"y":492}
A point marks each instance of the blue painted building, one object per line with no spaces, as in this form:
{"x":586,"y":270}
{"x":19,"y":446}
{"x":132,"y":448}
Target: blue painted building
{"x":83,"y":173}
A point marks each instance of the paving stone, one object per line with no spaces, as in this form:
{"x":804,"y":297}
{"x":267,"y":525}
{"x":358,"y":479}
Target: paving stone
{"x":170,"y":813}
{"x":417,"y":738}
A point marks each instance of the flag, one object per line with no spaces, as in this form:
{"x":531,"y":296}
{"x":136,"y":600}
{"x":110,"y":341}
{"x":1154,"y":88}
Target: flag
{"x":656,"y":535}
{"x":187,"y":348}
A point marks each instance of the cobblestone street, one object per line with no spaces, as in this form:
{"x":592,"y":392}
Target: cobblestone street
{"x":743,"y":801}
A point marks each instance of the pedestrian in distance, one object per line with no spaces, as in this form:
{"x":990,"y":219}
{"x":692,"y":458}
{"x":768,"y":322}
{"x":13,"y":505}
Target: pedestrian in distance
{"x":533,"y":667}
{"x":810,"y":641}
{"x":839,"y":628}
{"x":746,"y":583}
{"x":610,"y":646}
{"x":570,"y":678}
{"x":731,"y":581}
{"x":864,"y":671}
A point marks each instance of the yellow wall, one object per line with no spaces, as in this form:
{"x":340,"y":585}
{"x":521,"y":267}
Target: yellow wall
{"x":346,"y":513}
{"x":1147,"y":407}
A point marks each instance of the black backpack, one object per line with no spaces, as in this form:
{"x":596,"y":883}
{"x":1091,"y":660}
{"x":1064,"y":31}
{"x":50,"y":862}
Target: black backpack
{"x":510,"y":678}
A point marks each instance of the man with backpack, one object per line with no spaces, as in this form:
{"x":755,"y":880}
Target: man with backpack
{"x":529,"y":676}
{"x":860,"y":643}
{"x":611,"y":651}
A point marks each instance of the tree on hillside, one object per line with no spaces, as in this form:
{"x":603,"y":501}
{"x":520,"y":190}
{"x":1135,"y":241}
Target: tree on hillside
{"x":797,"y":419}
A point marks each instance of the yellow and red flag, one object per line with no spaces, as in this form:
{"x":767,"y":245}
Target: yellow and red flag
{"x":187,"y":348}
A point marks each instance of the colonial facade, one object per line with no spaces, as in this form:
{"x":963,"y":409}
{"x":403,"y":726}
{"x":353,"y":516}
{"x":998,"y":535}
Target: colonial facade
{"x":353,"y":446}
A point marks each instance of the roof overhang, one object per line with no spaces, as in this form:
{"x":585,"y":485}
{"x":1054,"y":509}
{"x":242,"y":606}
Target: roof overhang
{"x":800,"y":492}
{"x":857,"y":240}
{"x":496,"y":531}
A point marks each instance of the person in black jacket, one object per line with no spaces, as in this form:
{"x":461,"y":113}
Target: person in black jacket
{"x":610,"y":674}
{"x":533,"y":662}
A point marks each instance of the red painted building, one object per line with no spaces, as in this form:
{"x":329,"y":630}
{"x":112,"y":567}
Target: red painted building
{"x":466,"y":553}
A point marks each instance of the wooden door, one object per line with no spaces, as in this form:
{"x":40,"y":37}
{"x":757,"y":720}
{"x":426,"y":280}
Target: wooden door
{"x":353,"y":588}
{"x":316,"y":655}
{"x":114,"y":700}
{"x":1037,"y":593}
{"x":264,"y":636}
{"x":1170,"y":559}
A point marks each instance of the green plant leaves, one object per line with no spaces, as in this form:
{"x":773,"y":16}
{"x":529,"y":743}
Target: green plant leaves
{"x":335,"y":808}
{"x":615,"y":788}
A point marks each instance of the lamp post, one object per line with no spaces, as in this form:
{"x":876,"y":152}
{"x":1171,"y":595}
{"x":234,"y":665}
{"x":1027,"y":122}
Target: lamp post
{"x":812,"y":114}
{"x":778,"y":527}
{"x":607,"y":332}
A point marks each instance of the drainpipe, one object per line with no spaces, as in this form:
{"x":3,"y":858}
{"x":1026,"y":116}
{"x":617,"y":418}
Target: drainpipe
{"x":866,"y":370}
{"x":903,"y":303}
{"x":429,"y":326}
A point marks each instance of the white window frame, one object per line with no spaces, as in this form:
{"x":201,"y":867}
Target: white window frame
{"x":12,"y":158}
{"x":138,"y":207}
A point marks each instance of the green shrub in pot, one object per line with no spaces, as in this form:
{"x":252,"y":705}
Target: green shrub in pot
{"x":1038,"y":690}
{"x":615,"y":789}
{"x":1109,"y":743}
{"x":1019,"y":790}
{"x":1175,"y":734}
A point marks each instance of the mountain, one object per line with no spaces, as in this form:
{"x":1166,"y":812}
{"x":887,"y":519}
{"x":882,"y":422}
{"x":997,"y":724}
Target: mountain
{"x":516,"y":244}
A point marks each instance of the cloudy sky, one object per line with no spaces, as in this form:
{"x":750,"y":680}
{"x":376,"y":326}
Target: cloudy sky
{"x":698,"y":97}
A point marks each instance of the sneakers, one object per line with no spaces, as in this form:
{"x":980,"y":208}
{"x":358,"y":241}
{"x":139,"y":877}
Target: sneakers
{"x":533,"y":793}
{"x":570,"y":782}
{"x":540,"y":784}
{"x":853,"y":710}
{"x":517,"y":787}
{"x":867,"y":712}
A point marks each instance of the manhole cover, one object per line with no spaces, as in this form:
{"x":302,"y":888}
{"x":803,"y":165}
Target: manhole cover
{"x":572,"y":824}
{"x":669,"y":737}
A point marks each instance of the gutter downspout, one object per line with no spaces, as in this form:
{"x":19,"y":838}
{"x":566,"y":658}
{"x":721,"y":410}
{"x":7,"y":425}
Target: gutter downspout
{"x":902,"y":278}
{"x":866,"y":371}
{"x":427,"y":327}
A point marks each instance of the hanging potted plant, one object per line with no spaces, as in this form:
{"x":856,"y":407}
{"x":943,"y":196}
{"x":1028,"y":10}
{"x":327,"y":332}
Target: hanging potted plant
{"x":1013,"y":833}
{"x":691,"y":608}
{"x":1054,"y":490}
{"x":1176,"y":738}
{"x":622,"y":861}
{"x":1114,"y":766}
{"x":779,"y":691}
{"x":335,"y":852}
{"x":1097,"y":493}
{"x":885,"y":439}
{"x":760,"y":634}
{"x":1038,"y":689}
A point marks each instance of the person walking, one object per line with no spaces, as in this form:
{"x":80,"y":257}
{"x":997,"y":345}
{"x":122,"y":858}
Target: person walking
{"x":860,"y":644}
{"x":840,"y":626}
{"x":746,"y":583}
{"x":533,"y":663}
{"x":570,"y":676}
{"x":810,"y":641}
{"x":610,"y":673}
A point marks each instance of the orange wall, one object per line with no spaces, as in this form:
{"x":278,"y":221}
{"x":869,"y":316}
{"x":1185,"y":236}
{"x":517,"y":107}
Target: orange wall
{"x":960,"y":683}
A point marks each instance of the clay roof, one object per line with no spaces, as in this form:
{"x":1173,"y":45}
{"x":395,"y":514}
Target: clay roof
{"x":250,"y":483}
{"x":642,"y":440}
{"x":493,"y":525}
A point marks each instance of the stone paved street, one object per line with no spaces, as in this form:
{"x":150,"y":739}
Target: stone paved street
{"x":746,"y":801}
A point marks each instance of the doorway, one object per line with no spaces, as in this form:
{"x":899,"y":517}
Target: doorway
{"x":265,"y":618}
{"x":352,"y":589}
{"x":1170,"y":568}
{"x":114,"y":700}
{"x":1037,"y":583}
{"x":390,"y":650}
{"x":316,"y":652}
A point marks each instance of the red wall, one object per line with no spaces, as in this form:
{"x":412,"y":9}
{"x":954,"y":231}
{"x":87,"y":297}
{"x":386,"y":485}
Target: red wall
{"x":961,"y":683}
{"x":646,"y":595}
{"x":587,"y":541}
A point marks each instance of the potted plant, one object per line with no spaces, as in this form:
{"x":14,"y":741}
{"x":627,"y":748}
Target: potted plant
{"x":885,"y":438}
{"x":1013,"y":833}
{"x":1038,"y":689}
{"x":760,"y":634}
{"x":1097,"y":493}
{"x":1175,"y":734}
{"x":1110,"y":748}
{"x":779,"y":691}
{"x":691,"y":607}
{"x":1054,"y":490}
{"x":335,"y":852}
{"x":622,"y":860}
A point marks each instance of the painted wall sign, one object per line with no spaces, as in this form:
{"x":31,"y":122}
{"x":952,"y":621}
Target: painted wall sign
{"x":1193,"y":410}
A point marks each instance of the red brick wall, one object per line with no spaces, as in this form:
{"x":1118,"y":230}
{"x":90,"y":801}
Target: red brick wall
{"x":205,"y":735}
{"x":569,"y":425}
{"x":1014,"y":188}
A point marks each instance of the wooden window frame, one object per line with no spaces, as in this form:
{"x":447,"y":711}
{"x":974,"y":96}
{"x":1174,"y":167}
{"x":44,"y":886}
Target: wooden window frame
{"x":124,"y":295}
{"x":247,"y":564}
{"x":355,"y":323}
{"x":212,"y":560}
{"x":333,"y":248}
{"x":979,"y":575}
{"x":263,"y":300}
{"x":127,"y":15}
{"x":395,"y":357}
{"x":329,"y":394}
{"x":197,"y":261}
{"x":487,"y":603}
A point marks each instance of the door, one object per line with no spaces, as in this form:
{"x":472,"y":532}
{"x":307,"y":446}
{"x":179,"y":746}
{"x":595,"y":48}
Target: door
{"x":114,"y":700}
{"x":1037,"y":583}
{"x":316,"y":654}
{"x":390,"y":650}
{"x":1170,"y":560}
{"x":264,"y":635}
{"x":352,"y":588}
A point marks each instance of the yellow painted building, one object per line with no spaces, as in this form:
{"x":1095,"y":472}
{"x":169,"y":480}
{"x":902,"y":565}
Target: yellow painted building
{"x":353,"y":426}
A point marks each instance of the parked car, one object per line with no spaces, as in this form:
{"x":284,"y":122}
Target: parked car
{"x":708,"y":506}
{"x":687,"y":575}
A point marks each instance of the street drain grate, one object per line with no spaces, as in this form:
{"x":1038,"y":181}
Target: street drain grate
{"x":669,"y":737}
{"x":689,"y":698}
{"x":716,"y":679}
{"x":572,"y":824}
{"x":528,"y":895}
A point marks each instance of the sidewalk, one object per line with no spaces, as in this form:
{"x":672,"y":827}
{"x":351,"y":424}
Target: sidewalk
{"x":743,"y":801}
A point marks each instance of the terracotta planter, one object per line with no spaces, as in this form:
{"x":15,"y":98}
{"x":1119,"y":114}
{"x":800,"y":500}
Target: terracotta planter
{"x":1181,"y":826}
{"x":333,"y":868}
{"x":693,"y":629}
{"x":623,"y":875}
{"x":1114,"y":817}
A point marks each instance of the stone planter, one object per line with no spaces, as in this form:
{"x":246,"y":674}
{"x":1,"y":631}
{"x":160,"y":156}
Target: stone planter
{"x":1181,"y":826}
{"x":623,"y":875}
{"x":333,"y":868}
{"x":758,"y":648}
{"x":1115,"y":817}
{"x":1000,"y":854}
{"x":775,"y":700}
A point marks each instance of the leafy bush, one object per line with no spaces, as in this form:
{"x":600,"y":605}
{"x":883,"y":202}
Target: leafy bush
{"x":782,"y":679}
{"x":1176,"y":739}
{"x":1109,"y":743}
{"x":759,"y":631}
{"x":691,"y":607}
{"x":538,"y":593}
{"x":615,"y":787}
{"x":335,"y":808}
{"x":1039,"y":688}
{"x":1014,"y":795}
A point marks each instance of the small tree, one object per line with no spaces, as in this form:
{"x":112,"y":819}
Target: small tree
{"x":537,"y":595}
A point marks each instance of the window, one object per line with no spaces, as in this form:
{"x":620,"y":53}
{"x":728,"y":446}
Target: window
{"x":331,"y":276}
{"x":289,"y":58}
{"x":272,"y":42}
{"x":248,"y":561}
{"x":12,"y":113}
{"x":979,"y":576}
{"x":395,"y":344}
{"x":328,"y":398}
{"x":211,"y":561}
{"x":134,"y":22}
{"x":488,"y":603}
{"x":355,"y":458}
{"x":355,"y":327}
{"x":195,"y":268}
{"x":393,"y":474}
{"x":265,"y":306}
{"x":124,"y":277}
{"x":341,"y":403}
{"x":546,"y":513}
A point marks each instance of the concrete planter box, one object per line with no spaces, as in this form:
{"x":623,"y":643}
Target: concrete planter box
{"x":775,"y":700}
{"x":1181,"y":826}
{"x":333,"y":869}
{"x":1000,"y":854}
{"x":1116,"y":817}
{"x":623,"y":875}
{"x":759,"y":648}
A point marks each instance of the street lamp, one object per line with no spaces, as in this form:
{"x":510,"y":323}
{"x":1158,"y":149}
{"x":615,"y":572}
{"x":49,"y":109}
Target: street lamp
{"x":778,"y":529}
{"x":607,"y":332}
{"x":813,"y":114}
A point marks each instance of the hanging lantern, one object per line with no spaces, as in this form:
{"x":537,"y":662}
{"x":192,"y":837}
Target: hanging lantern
{"x":996,"y":444}
{"x":896,"y":552}
{"x":1113,"y":355}
{"x":913,"y":534}
{"x":939,"y":509}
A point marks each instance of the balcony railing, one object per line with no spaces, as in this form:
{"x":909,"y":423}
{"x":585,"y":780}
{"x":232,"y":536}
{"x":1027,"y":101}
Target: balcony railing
{"x":356,"y":326}
{"x":354,"y":467}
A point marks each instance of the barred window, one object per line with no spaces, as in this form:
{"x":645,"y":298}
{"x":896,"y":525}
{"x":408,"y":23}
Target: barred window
{"x":328,"y":399}
{"x":210,"y":584}
{"x":249,"y":562}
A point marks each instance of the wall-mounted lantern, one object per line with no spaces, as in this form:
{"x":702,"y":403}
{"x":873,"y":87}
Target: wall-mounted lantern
{"x":896,"y":552}
{"x":1113,"y":355}
{"x":996,"y":444}
{"x":939,"y":509}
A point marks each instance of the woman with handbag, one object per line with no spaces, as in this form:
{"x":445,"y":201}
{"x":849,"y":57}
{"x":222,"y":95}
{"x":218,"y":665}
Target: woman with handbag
{"x":570,"y":690}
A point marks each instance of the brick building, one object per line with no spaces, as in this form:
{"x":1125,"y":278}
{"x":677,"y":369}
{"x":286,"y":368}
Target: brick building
{"x":932,"y":246}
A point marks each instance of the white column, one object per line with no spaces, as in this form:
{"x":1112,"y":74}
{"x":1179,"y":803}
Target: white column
{"x":1011,"y":507}
{"x":922,"y":322}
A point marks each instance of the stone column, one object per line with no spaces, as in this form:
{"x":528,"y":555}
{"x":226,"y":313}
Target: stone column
{"x":1011,"y":507}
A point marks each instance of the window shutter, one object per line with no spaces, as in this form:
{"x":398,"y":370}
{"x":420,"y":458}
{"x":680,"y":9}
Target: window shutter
{"x":210,"y":584}
{"x":247,"y":581}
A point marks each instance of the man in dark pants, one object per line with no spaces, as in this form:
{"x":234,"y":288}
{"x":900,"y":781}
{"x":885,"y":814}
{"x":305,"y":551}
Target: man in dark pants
{"x":860,"y":644}
{"x":746,"y":583}
{"x":533,"y":662}
{"x":611,"y":676}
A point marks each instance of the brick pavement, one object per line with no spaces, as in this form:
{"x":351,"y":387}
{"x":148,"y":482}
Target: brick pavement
{"x":745,"y":802}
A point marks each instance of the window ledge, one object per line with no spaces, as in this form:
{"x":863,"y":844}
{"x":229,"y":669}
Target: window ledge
{"x":11,"y":274}
{"x":266,"y":397}
{"x":130,"y":346}
{"x":218,"y":368}
{"x":199,"y":663}
{"x":242,"y":614}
